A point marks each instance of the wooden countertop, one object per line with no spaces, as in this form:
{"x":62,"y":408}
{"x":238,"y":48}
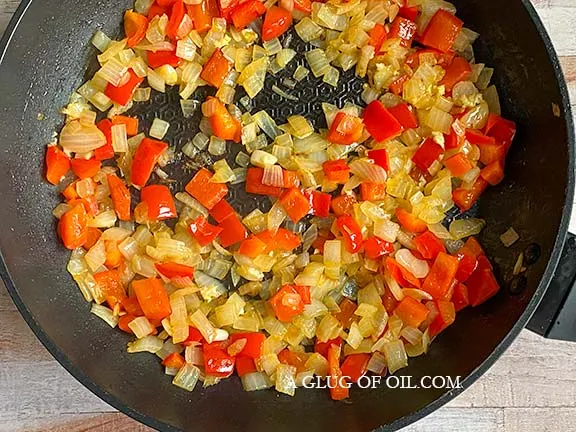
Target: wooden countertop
{"x":532,"y":388}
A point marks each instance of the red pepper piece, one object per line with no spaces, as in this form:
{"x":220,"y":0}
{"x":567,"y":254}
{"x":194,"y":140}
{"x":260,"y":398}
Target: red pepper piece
{"x":380,"y":123}
{"x":161,"y":58}
{"x":493,"y":173}
{"x":375,"y":248}
{"x":380,"y":157}
{"x":73,"y":227}
{"x":153,"y":298}
{"x":252,"y":247}
{"x":482,"y":284}
{"x":120,"y":197}
{"x":175,"y":19}
{"x":217,"y":362}
{"x":206,"y":192}
{"x":442,"y":31}
{"x":410,"y":13}
{"x":287,"y":303}
{"x":244,"y":365}
{"x":320,"y":202}
{"x":373,"y":191}
{"x":322,"y":347}
{"x":233,"y":231}
{"x":254,"y":341}
{"x":254,"y":183}
{"x":336,"y":171}
{"x":460,"y":297}
{"x":122,"y":94}
{"x":459,"y":70}
{"x":410,"y":222}
{"x":346,"y":129}
{"x":159,"y":202}
{"x":458,"y":165}
{"x":404,"y":29}
{"x":276,"y":22}
{"x":343,"y":205}
{"x":427,"y":154}
{"x":411,"y":312}
{"x":428,"y":245}
{"x":57,"y":164}
{"x":355,"y":366}
{"x":446,"y":314}
{"x":222,"y":210}
{"x":85,"y":168}
{"x":247,"y":12}
{"x":295,"y":204}
{"x":216,"y":69}
{"x":351,"y":232}
{"x":378,"y":35}
{"x":405,"y":115}
{"x":145,"y":158}
{"x":203,"y":232}
{"x":172,"y":269}
{"x":500,"y":129}
{"x":465,"y":199}
{"x":174,"y":361}
{"x":135,"y":26}
{"x":338,"y":386}
{"x":441,"y":276}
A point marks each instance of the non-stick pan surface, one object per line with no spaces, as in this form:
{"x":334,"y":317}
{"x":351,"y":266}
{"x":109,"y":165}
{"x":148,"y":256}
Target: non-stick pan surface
{"x":45,"y":52}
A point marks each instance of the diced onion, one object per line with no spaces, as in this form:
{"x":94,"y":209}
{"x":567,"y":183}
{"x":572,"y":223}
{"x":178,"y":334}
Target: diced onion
{"x":509,"y":237}
{"x":462,"y":228}
{"x":286,"y":379}
{"x":368,"y":171}
{"x":106,"y":314}
{"x":100,"y":41}
{"x":76,"y":137}
{"x":141,"y":328}
{"x":187,"y":377}
{"x":418,"y":268}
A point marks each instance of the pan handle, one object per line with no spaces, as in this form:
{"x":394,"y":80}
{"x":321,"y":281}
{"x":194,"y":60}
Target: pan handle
{"x":555,"y":317}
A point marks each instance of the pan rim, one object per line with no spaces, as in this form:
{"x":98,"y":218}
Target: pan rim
{"x":116,"y":403}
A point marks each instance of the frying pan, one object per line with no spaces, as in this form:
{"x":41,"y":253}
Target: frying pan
{"x":45,"y":53}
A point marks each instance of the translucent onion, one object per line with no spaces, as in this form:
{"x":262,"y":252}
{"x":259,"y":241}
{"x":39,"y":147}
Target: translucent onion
{"x":395,"y":355}
{"x":187,"y":377}
{"x":377,"y":364}
{"x":300,"y":73}
{"x":318,"y":62}
{"x":106,"y":314}
{"x":273,"y":175}
{"x":368,"y":171}
{"x":255,"y":381}
{"x":509,"y":237}
{"x":100,"y":41}
{"x":159,"y":128}
{"x":286,"y":379}
{"x":418,"y":268}
{"x":142,"y":328}
{"x":113,"y":72}
{"x":76,"y":137}
{"x":462,"y":228}
{"x":308,"y":30}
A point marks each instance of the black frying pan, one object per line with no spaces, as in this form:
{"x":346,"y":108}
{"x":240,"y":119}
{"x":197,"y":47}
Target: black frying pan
{"x":44,"y":55}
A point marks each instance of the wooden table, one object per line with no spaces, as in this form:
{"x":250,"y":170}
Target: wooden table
{"x":531,"y":388}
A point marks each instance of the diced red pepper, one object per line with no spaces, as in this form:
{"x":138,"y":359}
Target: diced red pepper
{"x":276,"y":22}
{"x":223,"y":124}
{"x":441,"y":276}
{"x":458,"y":165}
{"x":492,"y":152}
{"x":410,"y":13}
{"x":428,"y":245}
{"x":452,"y":141}
{"x":172,"y":269}
{"x":304,"y":292}
{"x":442,"y":31}
{"x":500,"y":129}
{"x":226,"y":7}
{"x":405,"y":115}
{"x":446,"y":314}
{"x":466,"y":266}
{"x":202,"y":14}
{"x":493,"y":173}
{"x":346,"y":129}
{"x":233,"y":231}
{"x":254,"y":183}
{"x":478,"y":138}
{"x":85,"y":168}
{"x":319,"y":201}
{"x":122,"y":94}
{"x":287,"y":303}
{"x":135,"y":26}
{"x":217,"y":362}
{"x":388,"y":301}
{"x":222,"y":210}
{"x":336,"y":171}
{"x":400,"y":274}
{"x":428,"y":152}
{"x":460,"y":297}
{"x":123,"y":322}
{"x":346,"y":315}
{"x":244,"y":365}
{"x":404,"y":29}
{"x":296,"y":359}
{"x":73,"y":227}
{"x":152,"y":297}
{"x":174,"y":361}
{"x":284,"y":240}
{"x":145,"y":158}
{"x":94,"y":235}
{"x":482,"y":284}
{"x":253,"y":347}
{"x":156,"y":10}
{"x":338,"y":388}
{"x":380,"y":123}
{"x":372,"y":191}
{"x":159,"y":202}
{"x":410,"y":222}
{"x":120,"y":197}
{"x":57,"y":164}
{"x":216,"y":69}
{"x":252,"y":247}
{"x":351,"y":233}
{"x":206,"y":192}
{"x":194,"y":335}
{"x":411,"y":312}
{"x":111,"y":286}
{"x":378,"y":35}
{"x":204,"y":232}
{"x":247,"y":12}
{"x":131,"y":123}
{"x":380,"y":157}
{"x":343,"y":205}
{"x":464,"y":198}
{"x":106,"y":151}
{"x":303,"y":5}
{"x":322,"y":347}
{"x":161,"y":58}
{"x":355,"y":366}
{"x":175,"y":19}
{"x":132,"y":307}
{"x":397,"y":86}
{"x":165,"y":3}
{"x":459,"y":70}
{"x":295,"y":204}
{"x":375,"y":248}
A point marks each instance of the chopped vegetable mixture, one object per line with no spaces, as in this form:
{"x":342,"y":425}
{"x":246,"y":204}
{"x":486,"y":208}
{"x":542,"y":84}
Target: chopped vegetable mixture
{"x":352,"y":270}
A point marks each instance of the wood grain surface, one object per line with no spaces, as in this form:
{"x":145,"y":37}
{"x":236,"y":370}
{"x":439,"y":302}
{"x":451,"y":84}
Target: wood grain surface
{"x":532,"y":388}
